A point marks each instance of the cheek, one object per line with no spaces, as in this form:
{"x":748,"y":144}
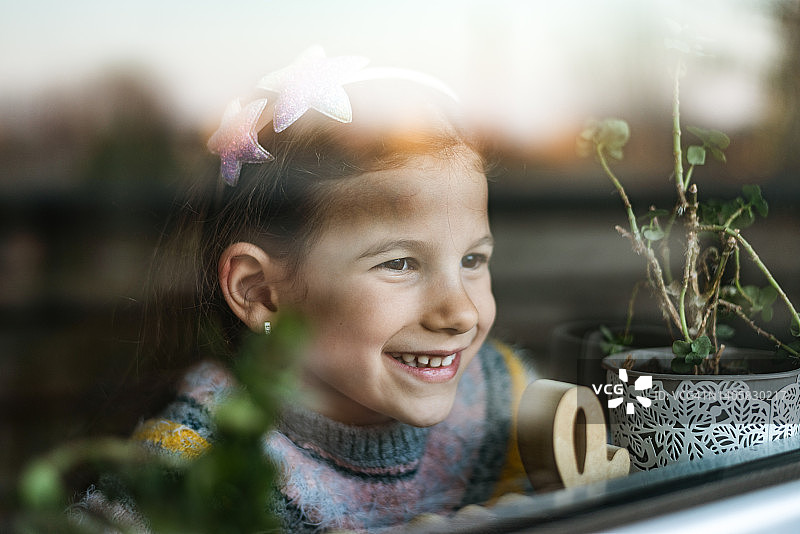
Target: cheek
{"x":344,"y":312}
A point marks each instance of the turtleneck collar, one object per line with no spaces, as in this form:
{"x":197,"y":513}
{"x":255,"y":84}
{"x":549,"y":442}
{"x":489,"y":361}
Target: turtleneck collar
{"x":375,"y":446}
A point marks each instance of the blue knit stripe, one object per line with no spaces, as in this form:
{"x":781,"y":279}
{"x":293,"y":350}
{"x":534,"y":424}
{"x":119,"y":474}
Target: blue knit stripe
{"x":187,"y":411}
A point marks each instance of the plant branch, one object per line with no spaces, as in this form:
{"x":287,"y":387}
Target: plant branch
{"x":689,"y":271}
{"x":710,"y":311}
{"x":763,"y":268}
{"x":657,"y":278}
{"x":733,"y":217}
{"x":757,"y":329}
{"x":737,"y":281}
{"x":620,"y":190}
{"x":631,"y":307}
{"x":676,"y":136}
{"x":688,"y":179}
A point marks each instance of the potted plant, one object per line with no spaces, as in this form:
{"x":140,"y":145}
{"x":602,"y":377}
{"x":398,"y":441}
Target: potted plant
{"x":697,"y":396}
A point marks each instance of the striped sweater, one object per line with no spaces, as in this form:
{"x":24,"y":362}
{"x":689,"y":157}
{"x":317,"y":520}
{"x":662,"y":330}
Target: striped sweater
{"x":336,"y":476}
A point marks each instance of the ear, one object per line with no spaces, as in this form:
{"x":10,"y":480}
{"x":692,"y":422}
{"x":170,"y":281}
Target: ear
{"x":249,"y":279}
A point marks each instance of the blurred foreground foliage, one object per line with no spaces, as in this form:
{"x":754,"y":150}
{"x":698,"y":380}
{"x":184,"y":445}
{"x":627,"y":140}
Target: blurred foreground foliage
{"x":225,"y":490}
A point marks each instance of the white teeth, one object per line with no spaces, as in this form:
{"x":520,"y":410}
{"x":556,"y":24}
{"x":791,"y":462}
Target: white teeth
{"x":413,"y":360}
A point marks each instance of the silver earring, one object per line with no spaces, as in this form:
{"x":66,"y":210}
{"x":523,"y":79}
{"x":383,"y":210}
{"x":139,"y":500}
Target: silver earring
{"x":267,"y":328}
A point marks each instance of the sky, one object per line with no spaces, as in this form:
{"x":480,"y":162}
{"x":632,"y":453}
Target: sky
{"x":528,"y":67}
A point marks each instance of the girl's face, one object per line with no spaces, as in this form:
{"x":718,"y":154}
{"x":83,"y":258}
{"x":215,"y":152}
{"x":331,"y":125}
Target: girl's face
{"x":397,"y":293}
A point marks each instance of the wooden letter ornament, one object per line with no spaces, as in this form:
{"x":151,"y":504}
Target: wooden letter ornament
{"x":561,"y":433}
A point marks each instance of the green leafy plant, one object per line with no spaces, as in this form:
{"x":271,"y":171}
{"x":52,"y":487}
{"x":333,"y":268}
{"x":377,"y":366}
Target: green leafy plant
{"x":227,"y":489}
{"x":709,"y":289}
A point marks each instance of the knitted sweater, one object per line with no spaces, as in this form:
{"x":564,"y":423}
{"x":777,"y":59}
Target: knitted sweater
{"x":370,"y":478}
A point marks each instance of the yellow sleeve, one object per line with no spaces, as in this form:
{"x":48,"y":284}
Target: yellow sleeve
{"x":162,"y":435}
{"x":513,"y":478}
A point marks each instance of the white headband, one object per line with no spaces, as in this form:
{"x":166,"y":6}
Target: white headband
{"x":313,"y":81}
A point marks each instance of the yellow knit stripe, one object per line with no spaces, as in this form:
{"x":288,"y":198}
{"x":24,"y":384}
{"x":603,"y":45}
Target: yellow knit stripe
{"x":513,"y":475}
{"x":172,"y":437}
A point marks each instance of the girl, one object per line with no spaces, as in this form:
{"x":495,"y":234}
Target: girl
{"x":354,"y":198}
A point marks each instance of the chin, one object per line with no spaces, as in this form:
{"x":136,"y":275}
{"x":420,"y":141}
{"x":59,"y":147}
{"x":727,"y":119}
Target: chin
{"x":422,"y":420}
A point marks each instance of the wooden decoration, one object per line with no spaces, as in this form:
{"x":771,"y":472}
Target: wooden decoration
{"x":561,"y":433}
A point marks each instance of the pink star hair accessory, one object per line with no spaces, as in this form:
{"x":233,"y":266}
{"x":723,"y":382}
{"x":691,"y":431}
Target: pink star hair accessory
{"x":236,"y":140}
{"x":313,"y":81}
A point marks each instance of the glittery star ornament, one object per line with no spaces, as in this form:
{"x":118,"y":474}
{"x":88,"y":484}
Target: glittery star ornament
{"x":236,"y":140}
{"x":313,"y":81}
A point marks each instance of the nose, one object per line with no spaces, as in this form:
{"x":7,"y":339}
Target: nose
{"x":449,"y":308}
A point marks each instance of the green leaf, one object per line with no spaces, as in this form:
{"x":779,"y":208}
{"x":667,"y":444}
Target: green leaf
{"x":737,"y":211}
{"x":615,"y":152}
{"x":40,"y":485}
{"x":613,"y":343}
{"x":694,"y":358}
{"x":696,"y":155}
{"x":713,"y":140}
{"x":710,"y":212}
{"x":755,"y":300}
{"x":611,"y":135}
{"x":766,"y":298}
{"x":702,"y":346}
{"x":585,"y":141}
{"x":239,"y":414}
{"x":692,"y":352}
{"x":718,"y":154}
{"x":607,"y":333}
{"x":681,"y":348}
{"x":767,"y":295}
{"x":700,"y":133}
{"x":614,"y":133}
{"x":679,"y":366}
{"x":745,"y":219}
{"x":652,"y":233}
{"x":752,"y":193}
{"x":718,"y":139}
{"x":751,"y":294}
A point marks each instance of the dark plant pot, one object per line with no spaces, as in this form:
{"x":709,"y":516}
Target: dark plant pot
{"x":685,"y":417}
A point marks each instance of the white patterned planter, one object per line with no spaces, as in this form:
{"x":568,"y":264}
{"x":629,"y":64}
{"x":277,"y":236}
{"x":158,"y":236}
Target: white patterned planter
{"x":685,"y":417}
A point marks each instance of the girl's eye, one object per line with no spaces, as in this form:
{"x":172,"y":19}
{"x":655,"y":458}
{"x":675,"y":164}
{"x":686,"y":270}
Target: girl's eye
{"x":400,"y":264}
{"x":473,"y":261}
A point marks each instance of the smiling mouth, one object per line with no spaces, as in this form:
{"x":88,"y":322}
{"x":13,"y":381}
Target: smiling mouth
{"x":422,"y":360}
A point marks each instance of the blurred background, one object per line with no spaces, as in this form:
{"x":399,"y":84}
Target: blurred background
{"x":105,"y":109}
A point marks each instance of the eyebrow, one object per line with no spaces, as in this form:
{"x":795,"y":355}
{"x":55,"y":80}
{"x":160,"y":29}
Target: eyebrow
{"x":412,"y":244}
{"x":391,"y":244}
